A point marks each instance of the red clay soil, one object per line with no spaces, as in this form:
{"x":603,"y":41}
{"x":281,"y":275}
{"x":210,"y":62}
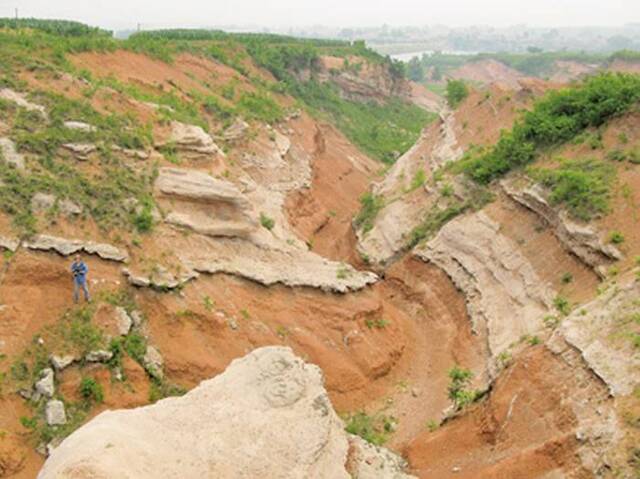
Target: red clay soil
{"x":484,"y":113}
{"x":488,"y":72}
{"x":322,"y":214}
{"x":526,"y":428}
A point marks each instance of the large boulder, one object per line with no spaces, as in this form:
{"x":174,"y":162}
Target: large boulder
{"x":267,"y":415}
{"x":204,"y":204}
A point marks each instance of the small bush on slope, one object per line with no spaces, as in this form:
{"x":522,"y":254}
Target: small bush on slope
{"x":371,"y":206}
{"x":456,"y":92}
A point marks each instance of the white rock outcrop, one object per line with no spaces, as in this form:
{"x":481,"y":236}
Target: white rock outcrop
{"x":204,"y":204}
{"x":54,"y":413}
{"x":268,"y":415}
{"x":9,"y":153}
{"x":192,"y":142}
{"x":21,"y":100}
{"x":602,"y":331}
{"x":81,"y":151}
{"x":80,"y":126}
{"x":45,"y":385}
{"x":67,"y":247}
{"x":505,"y":297}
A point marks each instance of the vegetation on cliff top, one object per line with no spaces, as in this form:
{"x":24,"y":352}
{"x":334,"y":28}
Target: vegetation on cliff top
{"x":555,"y":119}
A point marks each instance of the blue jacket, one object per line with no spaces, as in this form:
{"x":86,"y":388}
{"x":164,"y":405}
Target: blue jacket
{"x":79,"y":271}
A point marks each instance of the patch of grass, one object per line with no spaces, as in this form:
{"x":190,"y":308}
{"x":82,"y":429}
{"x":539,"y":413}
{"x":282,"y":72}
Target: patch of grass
{"x":267,"y":222}
{"x":379,"y":323}
{"x":583,"y":186}
{"x":136,"y":346}
{"x":459,"y":393}
{"x":91,"y":390}
{"x":371,"y":205}
{"x":161,"y":389}
{"x":418,"y":180}
{"x":384,"y":131}
{"x":374,"y":429}
{"x":562,"y":305}
{"x":616,"y":238}
{"x":432,"y":425}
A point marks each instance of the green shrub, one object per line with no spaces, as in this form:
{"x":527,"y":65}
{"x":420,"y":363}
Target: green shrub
{"x":373,"y":429}
{"x":616,"y":237}
{"x":371,"y":205}
{"x":566,"y":278}
{"x":267,"y":222}
{"x":617,"y":155}
{"x":457,"y":91}
{"x":583,"y":186}
{"x":458,"y":392}
{"x":562,"y":305}
{"x":91,"y":390}
{"x":557,"y":118}
{"x":136,"y":346}
{"x":418,"y":180}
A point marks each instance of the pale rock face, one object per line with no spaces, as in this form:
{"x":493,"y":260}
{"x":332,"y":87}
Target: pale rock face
{"x":236,"y":131}
{"x":581,"y":239}
{"x":81,"y":151}
{"x":159,"y":278}
{"x":45,"y":385}
{"x":597,"y":330}
{"x":123,"y":321}
{"x":99,"y":356}
{"x":267,"y":415}
{"x":192,"y":142}
{"x":205,"y":204}
{"x":153,"y":361}
{"x":42,"y":202}
{"x":67,"y":247}
{"x":54,"y":413}
{"x":80,"y":126}
{"x":505,"y":297}
{"x":21,"y":100}
{"x":10,"y":244}
{"x":10,"y":154}
{"x":61,"y":362}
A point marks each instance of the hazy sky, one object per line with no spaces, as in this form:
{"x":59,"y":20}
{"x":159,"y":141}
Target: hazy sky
{"x":126,"y":13}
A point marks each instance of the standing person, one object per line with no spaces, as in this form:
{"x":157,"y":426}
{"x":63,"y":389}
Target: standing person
{"x":79,"y":269}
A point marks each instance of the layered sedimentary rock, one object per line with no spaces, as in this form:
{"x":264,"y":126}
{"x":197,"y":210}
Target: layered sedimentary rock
{"x":66,"y":247}
{"x":191,"y":142}
{"x":603,"y":332}
{"x":267,"y":415}
{"x":581,"y":239}
{"x":204,"y":204}
{"x":505,"y":297}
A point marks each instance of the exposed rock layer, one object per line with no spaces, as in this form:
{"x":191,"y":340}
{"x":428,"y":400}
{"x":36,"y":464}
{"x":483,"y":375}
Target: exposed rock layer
{"x":268,"y":415}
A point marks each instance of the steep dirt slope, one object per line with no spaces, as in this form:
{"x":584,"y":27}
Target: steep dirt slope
{"x":253,"y":245}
